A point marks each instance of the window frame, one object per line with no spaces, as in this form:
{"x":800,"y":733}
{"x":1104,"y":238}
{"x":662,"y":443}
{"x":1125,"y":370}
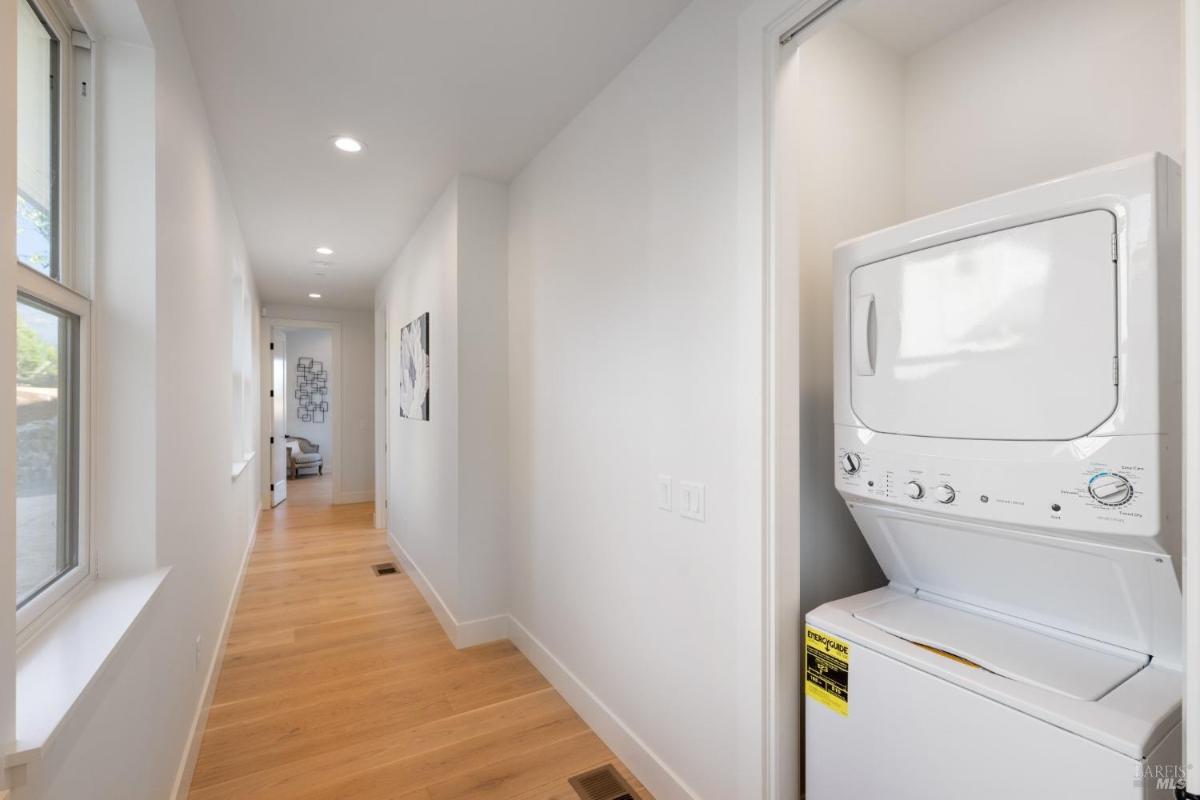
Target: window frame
{"x":62,"y":190}
{"x":67,"y":293}
{"x":44,"y":290}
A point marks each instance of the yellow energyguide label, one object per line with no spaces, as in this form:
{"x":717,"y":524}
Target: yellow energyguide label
{"x":827,"y":670}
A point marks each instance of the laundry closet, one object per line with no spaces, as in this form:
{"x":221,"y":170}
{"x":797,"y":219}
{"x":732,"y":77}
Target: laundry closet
{"x":1005,"y":174}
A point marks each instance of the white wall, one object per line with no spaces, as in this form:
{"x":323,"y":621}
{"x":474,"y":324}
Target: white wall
{"x":317,"y":345}
{"x":124,"y":307}
{"x":129,"y":740}
{"x":447,"y":488}
{"x":483,"y":397}
{"x":356,"y":445}
{"x":1039,"y":89}
{"x":623,"y":356}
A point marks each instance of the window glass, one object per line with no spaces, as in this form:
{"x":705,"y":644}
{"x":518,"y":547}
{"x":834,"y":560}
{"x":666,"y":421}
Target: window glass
{"x":37,"y":143}
{"x":47,"y":458}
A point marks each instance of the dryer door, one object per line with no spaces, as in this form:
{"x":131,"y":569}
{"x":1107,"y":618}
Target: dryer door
{"x":1008,"y":335}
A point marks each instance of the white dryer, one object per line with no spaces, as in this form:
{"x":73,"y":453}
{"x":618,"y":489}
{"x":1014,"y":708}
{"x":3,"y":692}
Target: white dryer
{"x":1007,"y":413}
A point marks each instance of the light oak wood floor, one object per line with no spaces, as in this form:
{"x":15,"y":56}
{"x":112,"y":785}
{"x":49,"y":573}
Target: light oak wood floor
{"x":340,"y":684}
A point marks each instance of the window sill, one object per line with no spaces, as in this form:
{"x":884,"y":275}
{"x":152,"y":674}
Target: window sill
{"x":240,"y":466}
{"x":63,"y":663}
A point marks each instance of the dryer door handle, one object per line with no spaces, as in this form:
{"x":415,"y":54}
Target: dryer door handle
{"x":863,"y":336}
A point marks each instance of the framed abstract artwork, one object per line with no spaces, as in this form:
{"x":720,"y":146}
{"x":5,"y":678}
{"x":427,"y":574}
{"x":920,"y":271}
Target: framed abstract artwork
{"x":414,"y":369}
{"x":312,"y":390}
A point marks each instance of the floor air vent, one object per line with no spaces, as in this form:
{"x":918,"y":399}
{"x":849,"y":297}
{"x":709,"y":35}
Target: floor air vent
{"x":602,"y":784}
{"x":385,"y":569}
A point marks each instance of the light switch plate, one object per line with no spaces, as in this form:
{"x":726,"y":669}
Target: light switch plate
{"x":664,"y":493}
{"x":691,"y":500}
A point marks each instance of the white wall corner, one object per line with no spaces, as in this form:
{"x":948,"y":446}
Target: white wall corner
{"x":481,"y":631}
{"x":461,"y":634}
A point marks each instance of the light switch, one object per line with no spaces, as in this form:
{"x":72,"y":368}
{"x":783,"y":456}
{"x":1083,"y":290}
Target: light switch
{"x":691,"y":500}
{"x":664,"y":493}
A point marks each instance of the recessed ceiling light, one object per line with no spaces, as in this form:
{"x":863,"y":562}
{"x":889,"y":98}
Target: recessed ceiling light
{"x":314,"y":295}
{"x":324,"y":251}
{"x":348,"y":144}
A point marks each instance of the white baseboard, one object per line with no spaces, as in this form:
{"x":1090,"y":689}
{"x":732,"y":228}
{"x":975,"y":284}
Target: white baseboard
{"x":354,"y":497}
{"x":187,"y":767}
{"x":463,"y":634}
{"x":660,"y":779}
{"x":440,"y":609}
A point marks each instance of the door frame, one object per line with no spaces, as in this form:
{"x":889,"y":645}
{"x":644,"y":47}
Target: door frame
{"x":1191,"y":392}
{"x":768,"y":303}
{"x":769,"y":449}
{"x":269,"y":325}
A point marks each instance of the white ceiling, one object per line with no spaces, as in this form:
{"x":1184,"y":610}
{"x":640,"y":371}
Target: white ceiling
{"x":908,"y":26}
{"x":434,"y":88}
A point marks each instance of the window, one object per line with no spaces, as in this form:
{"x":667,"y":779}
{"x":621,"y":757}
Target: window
{"x":47,"y":446}
{"x":38,"y":232}
{"x":53,"y":552}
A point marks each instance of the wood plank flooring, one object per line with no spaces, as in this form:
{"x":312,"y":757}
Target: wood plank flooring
{"x":340,"y":684}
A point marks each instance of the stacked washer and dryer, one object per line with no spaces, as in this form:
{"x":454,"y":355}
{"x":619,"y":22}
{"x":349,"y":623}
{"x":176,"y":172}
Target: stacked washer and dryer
{"x":1007,"y":404}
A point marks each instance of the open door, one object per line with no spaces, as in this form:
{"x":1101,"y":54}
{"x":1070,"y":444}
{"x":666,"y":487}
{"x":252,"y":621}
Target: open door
{"x":278,"y":417}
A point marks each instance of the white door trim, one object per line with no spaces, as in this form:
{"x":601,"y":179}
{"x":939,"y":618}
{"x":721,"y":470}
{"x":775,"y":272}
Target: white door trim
{"x":335,"y":378}
{"x":1191,"y":379}
{"x":769,"y":721}
{"x":381,"y":417}
{"x":277,"y":487}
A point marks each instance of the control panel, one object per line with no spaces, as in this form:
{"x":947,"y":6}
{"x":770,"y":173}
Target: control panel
{"x":1107,"y":485}
{"x":1110,"y":488}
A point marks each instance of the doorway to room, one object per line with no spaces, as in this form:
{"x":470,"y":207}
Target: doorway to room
{"x":303,"y":412}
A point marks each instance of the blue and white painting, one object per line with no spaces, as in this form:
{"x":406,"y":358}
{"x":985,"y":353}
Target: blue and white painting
{"x":414,"y":368}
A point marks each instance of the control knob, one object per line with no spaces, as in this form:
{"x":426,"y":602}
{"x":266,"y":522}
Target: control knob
{"x":1110,"y":489}
{"x":944,"y":494}
{"x":914,"y":490}
{"x":851,"y":463}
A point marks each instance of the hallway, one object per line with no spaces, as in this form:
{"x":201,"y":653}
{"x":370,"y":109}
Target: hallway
{"x":340,"y":684}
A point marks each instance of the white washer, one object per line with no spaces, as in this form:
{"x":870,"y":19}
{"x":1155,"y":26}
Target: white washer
{"x":1006,"y":411}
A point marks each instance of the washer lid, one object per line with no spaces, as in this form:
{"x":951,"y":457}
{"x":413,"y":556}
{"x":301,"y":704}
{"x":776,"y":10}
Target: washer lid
{"x":1067,"y":665}
{"x":1006,"y":335}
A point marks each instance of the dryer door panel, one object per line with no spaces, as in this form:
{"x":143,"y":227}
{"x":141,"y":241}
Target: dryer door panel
{"x":1009,"y":335}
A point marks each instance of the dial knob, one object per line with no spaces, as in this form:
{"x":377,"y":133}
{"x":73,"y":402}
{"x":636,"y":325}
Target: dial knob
{"x":1110,"y":488}
{"x":914,"y":490}
{"x":944,"y":493}
{"x":851,"y":463}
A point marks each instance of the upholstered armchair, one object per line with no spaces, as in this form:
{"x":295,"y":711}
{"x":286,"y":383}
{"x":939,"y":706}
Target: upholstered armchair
{"x":303,"y":455}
